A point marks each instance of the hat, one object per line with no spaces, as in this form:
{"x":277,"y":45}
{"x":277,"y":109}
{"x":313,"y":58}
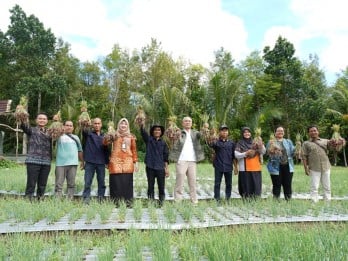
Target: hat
{"x":156,"y":126}
{"x":223,"y":126}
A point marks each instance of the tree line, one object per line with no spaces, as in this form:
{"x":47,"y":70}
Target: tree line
{"x":268,"y":88}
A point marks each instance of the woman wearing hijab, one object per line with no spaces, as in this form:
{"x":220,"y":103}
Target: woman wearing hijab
{"x":249,"y":165}
{"x":123,"y":162}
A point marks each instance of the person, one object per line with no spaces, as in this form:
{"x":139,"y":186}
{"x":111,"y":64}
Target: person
{"x":223,"y":162}
{"x":156,"y":160}
{"x":249,"y":164}
{"x":186,"y":152}
{"x":39,"y":156}
{"x":316,"y":163}
{"x":69,"y":153}
{"x":96,"y":157}
{"x":281,"y":164}
{"x":123,"y":163}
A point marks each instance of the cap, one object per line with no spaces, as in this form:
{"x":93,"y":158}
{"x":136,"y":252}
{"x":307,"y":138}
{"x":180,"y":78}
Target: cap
{"x":223,"y":126}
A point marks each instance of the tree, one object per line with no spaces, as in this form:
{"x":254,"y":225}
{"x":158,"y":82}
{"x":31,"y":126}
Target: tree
{"x":31,"y":48}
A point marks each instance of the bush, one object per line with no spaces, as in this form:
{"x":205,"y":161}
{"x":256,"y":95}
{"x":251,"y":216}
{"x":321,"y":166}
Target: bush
{"x":6,"y":164}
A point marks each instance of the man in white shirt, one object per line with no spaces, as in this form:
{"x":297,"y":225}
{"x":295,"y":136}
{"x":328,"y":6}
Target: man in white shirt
{"x":186,"y":152}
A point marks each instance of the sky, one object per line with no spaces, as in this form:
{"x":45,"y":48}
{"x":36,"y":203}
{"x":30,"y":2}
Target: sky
{"x":195,"y":29}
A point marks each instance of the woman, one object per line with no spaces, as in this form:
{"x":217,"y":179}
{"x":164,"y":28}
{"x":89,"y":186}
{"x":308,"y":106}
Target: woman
{"x":249,"y":163}
{"x":281,"y":164}
{"x":123,"y":162}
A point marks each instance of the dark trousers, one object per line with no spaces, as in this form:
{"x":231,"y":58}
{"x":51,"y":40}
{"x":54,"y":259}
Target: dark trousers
{"x":283,"y":179}
{"x":90,"y":169}
{"x":249,"y":183}
{"x":217,"y":184}
{"x":36,"y":175}
{"x":152,"y":175}
{"x":121,"y":187}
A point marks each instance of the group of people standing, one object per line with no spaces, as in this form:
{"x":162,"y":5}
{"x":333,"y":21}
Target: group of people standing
{"x":119,"y":156}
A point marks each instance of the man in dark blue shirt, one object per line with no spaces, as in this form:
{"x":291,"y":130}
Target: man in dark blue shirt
{"x":156,"y":160}
{"x":96,"y":157}
{"x":223,"y":162}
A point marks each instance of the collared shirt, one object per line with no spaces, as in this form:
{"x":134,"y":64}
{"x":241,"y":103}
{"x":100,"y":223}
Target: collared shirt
{"x":40,"y":145}
{"x":315,"y":152}
{"x":188,"y":152}
{"x":67,"y":150}
{"x":224,"y":155}
{"x":156,"y":151}
{"x":94,"y":150}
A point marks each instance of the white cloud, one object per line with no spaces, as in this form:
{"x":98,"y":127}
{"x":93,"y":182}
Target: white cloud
{"x":193,"y":29}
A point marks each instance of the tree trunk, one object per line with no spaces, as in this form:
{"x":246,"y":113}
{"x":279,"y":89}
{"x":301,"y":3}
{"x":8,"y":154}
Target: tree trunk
{"x":39,"y":103}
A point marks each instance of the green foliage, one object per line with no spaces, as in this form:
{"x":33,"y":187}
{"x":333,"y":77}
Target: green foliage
{"x":6,"y":164}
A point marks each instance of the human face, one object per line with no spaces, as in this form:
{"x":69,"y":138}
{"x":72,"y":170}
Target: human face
{"x":223,"y":134}
{"x":279,"y":133}
{"x":313,"y":133}
{"x":157,"y":132}
{"x":187,"y":123}
{"x":123,"y":126}
{"x":68,"y":127}
{"x":97,"y":124}
{"x":247,"y":134}
{"x":41,"y":120}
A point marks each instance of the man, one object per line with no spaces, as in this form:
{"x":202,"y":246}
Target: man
{"x":186,"y":152}
{"x":69,"y":152}
{"x":39,"y":156}
{"x":156,"y":160}
{"x":223,"y":162}
{"x":316,"y":163}
{"x":96,"y":157}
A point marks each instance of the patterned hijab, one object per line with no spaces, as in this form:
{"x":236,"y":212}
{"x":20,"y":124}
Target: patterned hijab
{"x":244,"y":144}
{"x":122,"y":133}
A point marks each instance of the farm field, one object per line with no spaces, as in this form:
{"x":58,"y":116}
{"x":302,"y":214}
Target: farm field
{"x":258,"y":229}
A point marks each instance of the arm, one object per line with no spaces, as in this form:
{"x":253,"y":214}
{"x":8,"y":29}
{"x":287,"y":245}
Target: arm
{"x":144,"y":134}
{"x":165,"y":158}
{"x":305,"y":159}
{"x":26,"y":128}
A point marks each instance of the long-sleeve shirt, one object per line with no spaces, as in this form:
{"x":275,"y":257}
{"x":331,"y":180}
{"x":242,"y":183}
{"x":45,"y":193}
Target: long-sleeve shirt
{"x":156,"y":151}
{"x":224,"y":155}
{"x":40,"y":145}
{"x":94,"y":149}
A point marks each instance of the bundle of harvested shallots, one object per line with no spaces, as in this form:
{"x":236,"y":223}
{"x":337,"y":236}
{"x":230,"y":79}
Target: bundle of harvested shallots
{"x":274,"y":149}
{"x":336,"y":142}
{"x":140,"y":117}
{"x":21,"y":114}
{"x":56,"y":129}
{"x":173,"y":132}
{"x":111,"y":133}
{"x":84,"y":119}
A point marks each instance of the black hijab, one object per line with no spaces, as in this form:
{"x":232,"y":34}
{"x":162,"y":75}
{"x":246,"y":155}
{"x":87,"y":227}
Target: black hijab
{"x":244,"y":144}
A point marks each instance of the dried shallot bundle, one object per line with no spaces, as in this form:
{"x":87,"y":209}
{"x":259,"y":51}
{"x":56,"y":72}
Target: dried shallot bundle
{"x":173,"y":132}
{"x":21,"y":114}
{"x":140,"y":117}
{"x":56,"y":129}
{"x":84,"y":119}
{"x":111,"y":133}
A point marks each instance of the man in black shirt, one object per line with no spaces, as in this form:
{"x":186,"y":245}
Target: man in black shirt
{"x":156,"y":160}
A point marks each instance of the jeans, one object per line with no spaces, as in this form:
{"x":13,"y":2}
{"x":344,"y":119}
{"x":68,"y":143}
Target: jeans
{"x":36,"y":175}
{"x":217,"y":184}
{"x":152,"y":175}
{"x":90,"y":169}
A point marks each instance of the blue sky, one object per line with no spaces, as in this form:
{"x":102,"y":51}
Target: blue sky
{"x":194,"y":29}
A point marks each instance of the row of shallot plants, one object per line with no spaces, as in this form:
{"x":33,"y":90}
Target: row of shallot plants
{"x":305,"y":241}
{"x":52,"y":210}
